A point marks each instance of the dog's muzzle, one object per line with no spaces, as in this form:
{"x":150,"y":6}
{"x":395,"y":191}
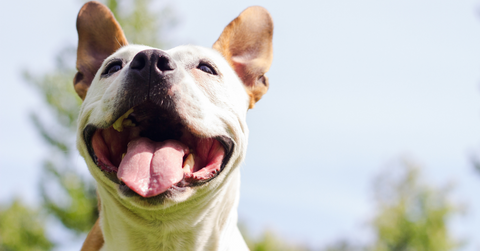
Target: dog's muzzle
{"x":146,"y":147}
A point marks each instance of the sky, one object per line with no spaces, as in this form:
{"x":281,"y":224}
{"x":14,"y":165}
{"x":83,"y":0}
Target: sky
{"x":355,"y":86}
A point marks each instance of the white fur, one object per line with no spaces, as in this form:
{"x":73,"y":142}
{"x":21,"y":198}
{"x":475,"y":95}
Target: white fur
{"x":200,"y":218}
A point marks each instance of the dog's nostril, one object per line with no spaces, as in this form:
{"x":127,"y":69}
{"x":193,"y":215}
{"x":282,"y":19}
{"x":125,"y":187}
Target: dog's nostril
{"x":138,"y":62}
{"x":164,"y":64}
{"x":144,"y":60}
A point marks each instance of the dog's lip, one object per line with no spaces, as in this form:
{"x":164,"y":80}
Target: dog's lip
{"x":188,"y":180}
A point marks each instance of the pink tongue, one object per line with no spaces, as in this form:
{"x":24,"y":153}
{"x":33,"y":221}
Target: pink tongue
{"x":150,"y":168}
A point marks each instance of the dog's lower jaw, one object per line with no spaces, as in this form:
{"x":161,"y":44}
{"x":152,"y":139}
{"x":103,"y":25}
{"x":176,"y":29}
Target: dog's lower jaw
{"x":190,"y":225}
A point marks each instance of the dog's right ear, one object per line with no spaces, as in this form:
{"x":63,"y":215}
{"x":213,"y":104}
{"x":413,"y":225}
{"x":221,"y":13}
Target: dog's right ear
{"x":99,"y":36}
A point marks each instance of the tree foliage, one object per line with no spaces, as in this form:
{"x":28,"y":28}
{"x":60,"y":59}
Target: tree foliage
{"x":268,"y":241}
{"x":144,"y":21}
{"x":22,"y":229}
{"x":343,"y":245}
{"x":411,"y":214}
{"x":65,"y":193}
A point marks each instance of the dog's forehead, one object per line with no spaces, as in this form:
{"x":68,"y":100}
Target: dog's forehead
{"x":128,"y":52}
{"x":185,"y":54}
{"x":190,"y":53}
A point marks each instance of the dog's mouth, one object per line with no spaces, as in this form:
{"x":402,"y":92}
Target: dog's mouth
{"x":149,"y":150}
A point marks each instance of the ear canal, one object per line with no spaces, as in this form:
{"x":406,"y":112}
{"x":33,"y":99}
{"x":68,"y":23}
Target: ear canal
{"x":246,"y":43}
{"x":99,"y":35}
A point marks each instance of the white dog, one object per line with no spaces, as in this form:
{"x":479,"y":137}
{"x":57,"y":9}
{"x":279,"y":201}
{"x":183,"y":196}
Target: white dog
{"x":164,"y":132}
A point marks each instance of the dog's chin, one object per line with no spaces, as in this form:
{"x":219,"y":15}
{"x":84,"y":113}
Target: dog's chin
{"x":171,"y":196}
{"x":152,"y":157}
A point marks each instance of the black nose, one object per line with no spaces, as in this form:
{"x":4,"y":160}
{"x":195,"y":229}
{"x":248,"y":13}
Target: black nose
{"x":155,"y":62}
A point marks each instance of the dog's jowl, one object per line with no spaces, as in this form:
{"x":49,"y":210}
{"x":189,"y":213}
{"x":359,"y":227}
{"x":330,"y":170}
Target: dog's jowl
{"x":163,"y":132}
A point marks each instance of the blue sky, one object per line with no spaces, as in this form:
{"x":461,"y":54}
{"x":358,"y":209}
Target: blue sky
{"x":355,"y":86}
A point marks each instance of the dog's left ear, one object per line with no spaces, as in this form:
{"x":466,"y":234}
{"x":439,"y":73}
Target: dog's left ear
{"x":246,"y":43}
{"x":99,"y":36}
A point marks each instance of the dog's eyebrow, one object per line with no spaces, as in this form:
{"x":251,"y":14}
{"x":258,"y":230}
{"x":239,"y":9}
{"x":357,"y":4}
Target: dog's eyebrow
{"x":112,"y":60}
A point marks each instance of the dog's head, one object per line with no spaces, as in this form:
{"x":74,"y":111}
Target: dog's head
{"x":159,"y":126}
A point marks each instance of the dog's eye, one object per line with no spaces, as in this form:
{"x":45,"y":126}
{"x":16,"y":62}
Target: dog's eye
{"x":112,"y":68}
{"x":207,"y":68}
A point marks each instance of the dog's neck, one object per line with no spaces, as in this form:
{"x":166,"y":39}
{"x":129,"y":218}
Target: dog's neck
{"x":200,"y":224}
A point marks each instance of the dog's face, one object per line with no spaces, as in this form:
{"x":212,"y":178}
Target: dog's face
{"x":159,"y":126}
{"x":163,"y":122}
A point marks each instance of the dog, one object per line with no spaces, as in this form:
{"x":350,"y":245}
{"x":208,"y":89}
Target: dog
{"x":163,"y":132}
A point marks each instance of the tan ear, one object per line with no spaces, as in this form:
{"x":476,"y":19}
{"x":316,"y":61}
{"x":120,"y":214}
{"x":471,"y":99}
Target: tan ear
{"x":99,"y":35}
{"x":246,"y":43}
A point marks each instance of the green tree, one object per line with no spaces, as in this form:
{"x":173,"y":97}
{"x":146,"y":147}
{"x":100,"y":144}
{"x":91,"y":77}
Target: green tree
{"x":343,"y":245}
{"x":22,"y":229}
{"x":411,"y":214}
{"x":268,"y":241}
{"x":67,"y":195}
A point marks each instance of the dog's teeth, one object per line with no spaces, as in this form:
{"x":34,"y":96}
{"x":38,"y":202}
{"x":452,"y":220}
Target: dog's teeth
{"x":189,"y":163}
{"x":123,"y":156}
{"x":118,"y":125}
{"x":128,"y":123}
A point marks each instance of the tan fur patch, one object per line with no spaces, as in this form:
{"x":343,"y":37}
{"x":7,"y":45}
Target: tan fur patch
{"x":99,"y":35}
{"x":246,"y":43}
